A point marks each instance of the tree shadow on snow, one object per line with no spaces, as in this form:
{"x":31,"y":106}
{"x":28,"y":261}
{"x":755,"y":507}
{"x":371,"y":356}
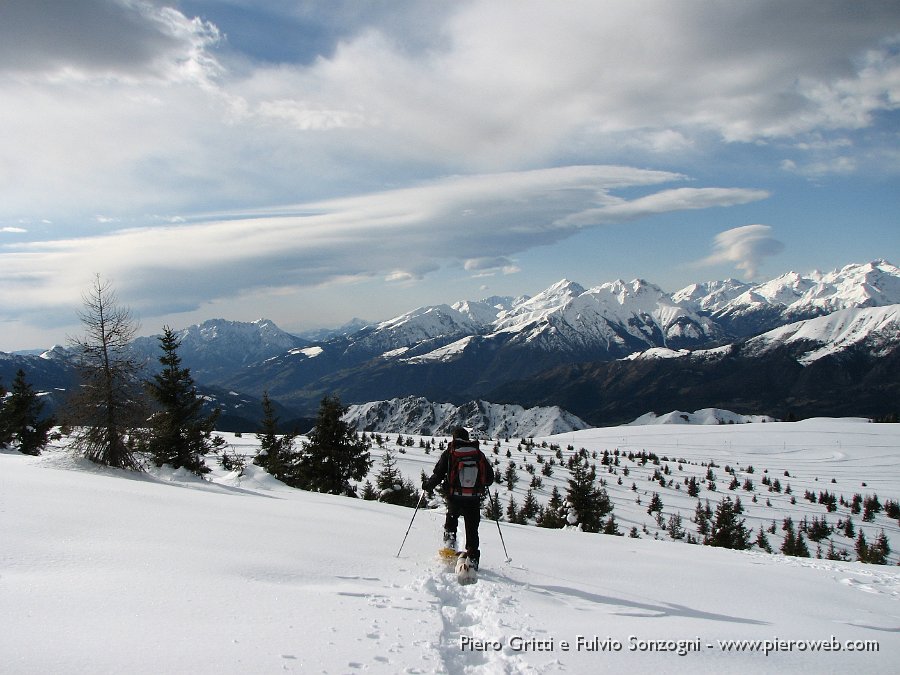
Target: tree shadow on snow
{"x":638,"y":609}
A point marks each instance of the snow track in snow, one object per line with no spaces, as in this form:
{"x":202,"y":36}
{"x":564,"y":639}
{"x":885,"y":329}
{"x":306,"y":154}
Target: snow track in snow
{"x":477,"y":612}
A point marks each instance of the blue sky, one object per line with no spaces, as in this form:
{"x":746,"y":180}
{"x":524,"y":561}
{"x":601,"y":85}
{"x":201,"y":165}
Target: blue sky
{"x":311,"y":162}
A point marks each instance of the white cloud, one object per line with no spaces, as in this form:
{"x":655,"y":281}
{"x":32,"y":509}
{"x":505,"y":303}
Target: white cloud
{"x":488,"y":267}
{"x":679,"y":199}
{"x":399,"y":276}
{"x":839,"y":166}
{"x":745,"y":247}
{"x":399,"y":235}
{"x":13,"y":230}
{"x":127,"y":107}
{"x":134,"y":110}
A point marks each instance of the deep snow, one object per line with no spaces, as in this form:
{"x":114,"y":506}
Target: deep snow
{"x":108,"y":571}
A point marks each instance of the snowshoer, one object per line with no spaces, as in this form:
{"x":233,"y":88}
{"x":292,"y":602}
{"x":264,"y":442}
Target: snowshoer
{"x":466,"y":473}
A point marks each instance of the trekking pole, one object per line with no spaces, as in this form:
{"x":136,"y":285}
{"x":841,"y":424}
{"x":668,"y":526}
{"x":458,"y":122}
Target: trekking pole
{"x":497,"y":520}
{"x":421,"y":497}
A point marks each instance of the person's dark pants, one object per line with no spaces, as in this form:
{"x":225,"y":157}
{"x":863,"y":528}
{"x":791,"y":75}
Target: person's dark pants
{"x":470,"y":509}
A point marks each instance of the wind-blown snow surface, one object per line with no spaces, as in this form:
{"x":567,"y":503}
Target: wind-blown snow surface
{"x":108,"y":571}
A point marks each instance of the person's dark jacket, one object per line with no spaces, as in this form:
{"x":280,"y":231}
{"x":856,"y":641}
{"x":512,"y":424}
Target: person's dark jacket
{"x":441,"y":469}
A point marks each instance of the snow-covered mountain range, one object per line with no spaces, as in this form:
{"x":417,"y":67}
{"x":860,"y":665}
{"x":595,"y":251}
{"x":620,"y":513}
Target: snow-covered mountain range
{"x":218,"y":347}
{"x":572,"y":346}
{"x":492,"y":349}
{"x":417,"y":415}
{"x":751,"y":309}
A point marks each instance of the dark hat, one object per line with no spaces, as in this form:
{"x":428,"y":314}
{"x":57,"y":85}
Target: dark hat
{"x":461,"y":433}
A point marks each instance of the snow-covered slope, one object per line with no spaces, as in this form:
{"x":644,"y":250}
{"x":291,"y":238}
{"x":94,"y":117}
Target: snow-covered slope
{"x":876,"y":328}
{"x":167,"y":573}
{"x":416,"y":415}
{"x":793,"y":296}
{"x":704,"y":416}
{"x":424,"y":327}
{"x":485,"y":312}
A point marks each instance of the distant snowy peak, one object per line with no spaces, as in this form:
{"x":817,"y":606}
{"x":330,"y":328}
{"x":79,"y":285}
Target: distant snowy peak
{"x":711,"y":295}
{"x":417,"y":415}
{"x":57,"y":353}
{"x":539,"y":307}
{"x":620,"y":317}
{"x":614,"y":316}
{"x":260,"y":336}
{"x":874,"y":284}
{"x":322,"y":334}
{"x":705,"y":416}
{"x":422,"y":324}
{"x":794,"y":296}
{"x":876,"y":328}
{"x":218,"y":345}
{"x":483,"y":312}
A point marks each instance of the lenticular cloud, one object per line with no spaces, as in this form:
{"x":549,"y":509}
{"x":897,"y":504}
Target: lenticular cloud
{"x":745,"y":246}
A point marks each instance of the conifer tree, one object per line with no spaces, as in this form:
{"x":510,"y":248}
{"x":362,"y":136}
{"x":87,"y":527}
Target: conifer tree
{"x":553,"y":516}
{"x":587,"y":502}
{"x":674,"y":528}
{"x":763,"y":541}
{"x":492,"y":508}
{"x":862,"y":547}
{"x":20,"y":418}
{"x":727,"y":530}
{"x":529,"y":507}
{"x":392,"y":488}
{"x":790,"y":542}
{"x":389,"y":477}
{"x":333,"y":455}
{"x":693,"y":487}
{"x":849,"y":529}
{"x":794,"y":544}
{"x":277,"y":454}
{"x":832,"y":553}
{"x":369,"y":493}
{"x":801,"y":550}
{"x":610,"y":526}
{"x":512,"y":510}
{"x":511,"y":476}
{"x":701,"y":518}
{"x":5,"y":426}
{"x":656,"y":504}
{"x":882,"y":544}
{"x":180,"y":434}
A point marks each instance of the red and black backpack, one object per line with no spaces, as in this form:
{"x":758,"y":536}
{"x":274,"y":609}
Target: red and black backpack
{"x":466,"y":472}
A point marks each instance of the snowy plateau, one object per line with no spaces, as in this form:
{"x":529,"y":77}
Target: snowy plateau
{"x":108,"y":571}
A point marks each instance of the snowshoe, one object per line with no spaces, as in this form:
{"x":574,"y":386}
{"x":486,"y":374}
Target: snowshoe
{"x":465,"y":570}
{"x":448,"y":555}
{"x":448,"y":551}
